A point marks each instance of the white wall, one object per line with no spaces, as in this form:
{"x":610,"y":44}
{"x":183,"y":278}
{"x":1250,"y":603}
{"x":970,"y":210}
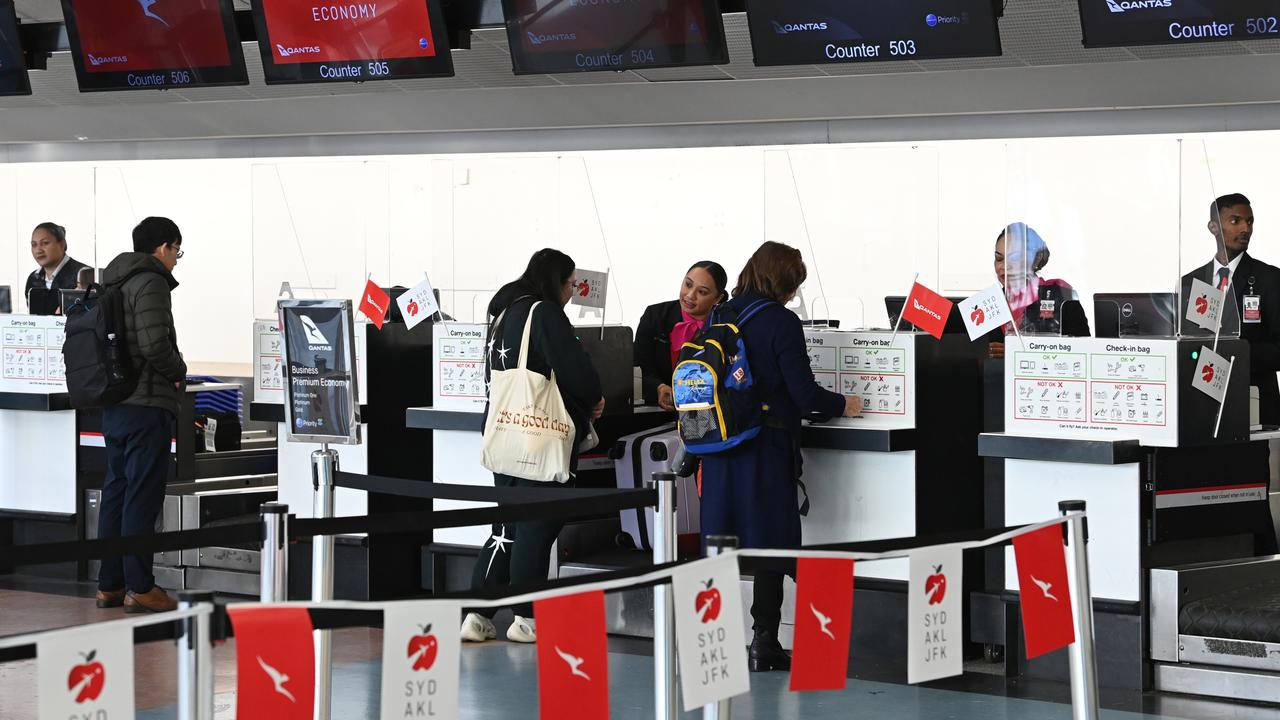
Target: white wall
{"x":1120,"y":214}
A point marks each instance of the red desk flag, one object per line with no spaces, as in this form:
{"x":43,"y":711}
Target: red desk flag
{"x":573,"y":657}
{"x":926,"y":310}
{"x":824,"y":620}
{"x":1045,"y":595}
{"x":275,"y":663}
{"x":375,"y":303}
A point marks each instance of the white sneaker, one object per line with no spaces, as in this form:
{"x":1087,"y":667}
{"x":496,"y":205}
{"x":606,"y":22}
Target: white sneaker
{"x":522,"y":630}
{"x":478,"y":628}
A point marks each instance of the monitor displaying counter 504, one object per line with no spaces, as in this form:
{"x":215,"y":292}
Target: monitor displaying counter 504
{"x":1107,"y":23}
{"x":13,"y":71}
{"x":820,"y":32}
{"x":153,"y":44}
{"x":557,"y":36}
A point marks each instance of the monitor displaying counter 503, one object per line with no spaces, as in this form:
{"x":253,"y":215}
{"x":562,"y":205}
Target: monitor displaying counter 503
{"x":153,"y":44}
{"x":820,"y":32}
{"x":13,"y":70}
{"x":303,"y":41}
{"x":1108,"y":23}
{"x":560,"y":36}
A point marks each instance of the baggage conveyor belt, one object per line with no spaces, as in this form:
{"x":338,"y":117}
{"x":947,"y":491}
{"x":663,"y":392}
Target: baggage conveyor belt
{"x":1250,"y":613}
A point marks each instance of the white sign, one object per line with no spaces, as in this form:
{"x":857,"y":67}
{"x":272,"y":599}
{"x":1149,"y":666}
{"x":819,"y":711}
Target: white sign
{"x":710,"y":640}
{"x":418,"y":303}
{"x":875,"y":366}
{"x":1222,"y":495}
{"x":421,"y":651}
{"x":985,"y":312}
{"x":31,"y":353}
{"x":935,"y":620}
{"x":457,"y":359}
{"x":268,"y":370}
{"x":87,"y":674}
{"x":1212,"y":373}
{"x":590,"y":291}
{"x":1204,"y":304}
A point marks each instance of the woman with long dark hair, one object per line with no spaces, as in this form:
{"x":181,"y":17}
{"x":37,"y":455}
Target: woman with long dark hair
{"x":520,"y":553}
{"x":667,"y":326}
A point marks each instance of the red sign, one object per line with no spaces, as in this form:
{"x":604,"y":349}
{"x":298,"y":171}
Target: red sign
{"x":86,"y":680}
{"x":119,"y":35}
{"x":1044,"y":593}
{"x":307,"y":31}
{"x":275,"y":663}
{"x":926,"y":310}
{"x":374,"y":303}
{"x":824,"y":621}
{"x":573,"y":657}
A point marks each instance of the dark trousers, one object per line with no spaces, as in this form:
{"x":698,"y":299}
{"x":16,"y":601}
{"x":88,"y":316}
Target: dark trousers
{"x":766,"y":601}
{"x":525,"y":560}
{"x":138,"y":441}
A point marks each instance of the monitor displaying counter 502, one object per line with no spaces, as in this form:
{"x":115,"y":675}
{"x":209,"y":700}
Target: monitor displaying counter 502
{"x":560,"y":36}
{"x":153,"y":44}
{"x":304,"y":41}
{"x":1108,"y":23}
{"x":13,"y":70}
{"x":820,"y":32}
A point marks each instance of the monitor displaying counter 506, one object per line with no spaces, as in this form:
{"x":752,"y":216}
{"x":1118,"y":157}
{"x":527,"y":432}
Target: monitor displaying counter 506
{"x":557,"y":36}
{"x":303,"y":41}
{"x":141,"y":44}
{"x":321,"y":403}
{"x":13,"y":70}
{"x":820,"y":32}
{"x":1108,"y":23}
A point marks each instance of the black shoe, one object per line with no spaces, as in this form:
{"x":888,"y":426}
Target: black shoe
{"x":766,"y":653}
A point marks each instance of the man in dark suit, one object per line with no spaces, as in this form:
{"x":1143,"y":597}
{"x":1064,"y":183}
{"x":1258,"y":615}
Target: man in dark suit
{"x":1252,"y":296}
{"x":57,"y":271}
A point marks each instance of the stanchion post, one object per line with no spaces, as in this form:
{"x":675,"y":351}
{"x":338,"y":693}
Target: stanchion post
{"x":274,"y":576}
{"x":195,"y":659}
{"x":1080,"y":654}
{"x":664,"y":615}
{"x":324,"y":465}
{"x":716,"y":545}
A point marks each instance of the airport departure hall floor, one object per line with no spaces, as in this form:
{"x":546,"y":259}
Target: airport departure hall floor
{"x":499,"y":679}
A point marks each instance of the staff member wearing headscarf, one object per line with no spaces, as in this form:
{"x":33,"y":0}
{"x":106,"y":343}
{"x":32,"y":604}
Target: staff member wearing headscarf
{"x":1039,"y":306}
{"x":665,"y":327}
{"x":57,"y":271}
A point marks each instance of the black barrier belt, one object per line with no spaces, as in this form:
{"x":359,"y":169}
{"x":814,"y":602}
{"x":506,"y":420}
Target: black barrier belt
{"x":142,"y":634}
{"x":449,"y":491}
{"x":752,"y":564}
{"x":75,"y":550}
{"x":420,"y":521}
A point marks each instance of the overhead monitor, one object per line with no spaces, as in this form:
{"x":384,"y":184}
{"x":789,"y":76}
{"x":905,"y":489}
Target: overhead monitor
{"x":13,"y":69}
{"x":1109,"y":23}
{"x":153,"y":44}
{"x":311,"y":41}
{"x":562,"y":36}
{"x":823,"y":32}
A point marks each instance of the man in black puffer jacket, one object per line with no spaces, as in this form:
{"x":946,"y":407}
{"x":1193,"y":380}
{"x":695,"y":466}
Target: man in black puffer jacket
{"x":138,"y":431}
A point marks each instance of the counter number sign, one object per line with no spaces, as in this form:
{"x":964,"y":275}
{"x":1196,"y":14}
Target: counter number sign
{"x":321,"y":402}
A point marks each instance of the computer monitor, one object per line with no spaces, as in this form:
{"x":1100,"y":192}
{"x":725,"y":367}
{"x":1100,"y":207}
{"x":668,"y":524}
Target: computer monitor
{"x":955,"y":324}
{"x":6,"y":300}
{"x":42,"y":301}
{"x":1135,"y":314}
{"x":69,"y":298}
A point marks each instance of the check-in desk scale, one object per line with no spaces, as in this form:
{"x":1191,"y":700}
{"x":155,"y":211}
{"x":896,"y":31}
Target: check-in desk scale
{"x":1117,"y":423}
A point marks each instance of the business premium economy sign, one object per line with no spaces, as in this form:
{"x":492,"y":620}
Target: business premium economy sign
{"x":321,"y":404}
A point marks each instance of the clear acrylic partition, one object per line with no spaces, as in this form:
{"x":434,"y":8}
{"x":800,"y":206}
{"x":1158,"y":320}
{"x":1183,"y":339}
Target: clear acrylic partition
{"x":322,"y":227}
{"x":1209,"y":171}
{"x":866,"y":220}
{"x":1084,"y":221}
{"x":49,"y":192}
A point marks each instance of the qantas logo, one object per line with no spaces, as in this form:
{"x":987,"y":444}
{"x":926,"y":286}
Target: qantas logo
{"x":304,"y":50}
{"x":538,"y":39}
{"x":146,"y":10}
{"x":96,"y":60}
{"x":1119,"y":6}
{"x":927,"y":311}
{"x":787,"y":28}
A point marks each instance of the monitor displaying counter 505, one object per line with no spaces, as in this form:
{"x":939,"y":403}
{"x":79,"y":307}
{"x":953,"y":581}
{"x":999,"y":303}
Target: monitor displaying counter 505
{"x":303,"y":41}
{"x":556,"y":36}
{"x":141,"y":44}
{"x":1107,"y":23}
{"x":820,"y":32}
{"x":13,"y":71}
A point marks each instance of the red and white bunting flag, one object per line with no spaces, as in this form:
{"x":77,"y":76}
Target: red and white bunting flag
{"x":1044,"y":593}
{"x":926,"y":310}
{"x":421,"y":652}
{"x":711,"y":640}
{"x":573,"y":657}
{"x":86,"y":674}
{"x":375,"y":303}
{"x":824,"y":621}
{"x":275,"y":663}
{"x":935,"y":615}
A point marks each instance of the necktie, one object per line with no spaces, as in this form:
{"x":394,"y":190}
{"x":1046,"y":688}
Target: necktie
{"x":1223,"y":274}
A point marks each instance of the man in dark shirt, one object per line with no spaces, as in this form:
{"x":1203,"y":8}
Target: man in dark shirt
{"x":57,"y":271}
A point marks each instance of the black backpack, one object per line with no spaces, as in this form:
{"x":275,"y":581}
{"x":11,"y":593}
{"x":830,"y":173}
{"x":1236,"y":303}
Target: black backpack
{"x":99,"y":371}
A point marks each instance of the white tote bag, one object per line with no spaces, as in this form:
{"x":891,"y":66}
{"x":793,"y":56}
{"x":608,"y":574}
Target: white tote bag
{"x":528,"y":433}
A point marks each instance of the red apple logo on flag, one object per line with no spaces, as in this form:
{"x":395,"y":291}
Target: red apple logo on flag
{"x":1207,"y":373}
{"x":935,"y":586}
{"x":977,"y":316}
{"x":412,"y":307}
{"x":708,"y":603}
{"x":423,"y":649}
{"x":1202,"y":304}
{"x":85,"y":681}
{"x":584,"y":288}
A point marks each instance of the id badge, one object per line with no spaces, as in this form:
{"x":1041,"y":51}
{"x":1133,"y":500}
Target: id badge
{"x":1046,"y":309}
{"x":1252,"y":309}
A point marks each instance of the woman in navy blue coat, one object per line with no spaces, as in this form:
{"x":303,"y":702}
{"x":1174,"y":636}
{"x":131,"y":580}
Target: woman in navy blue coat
{"x":750,"y":491}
